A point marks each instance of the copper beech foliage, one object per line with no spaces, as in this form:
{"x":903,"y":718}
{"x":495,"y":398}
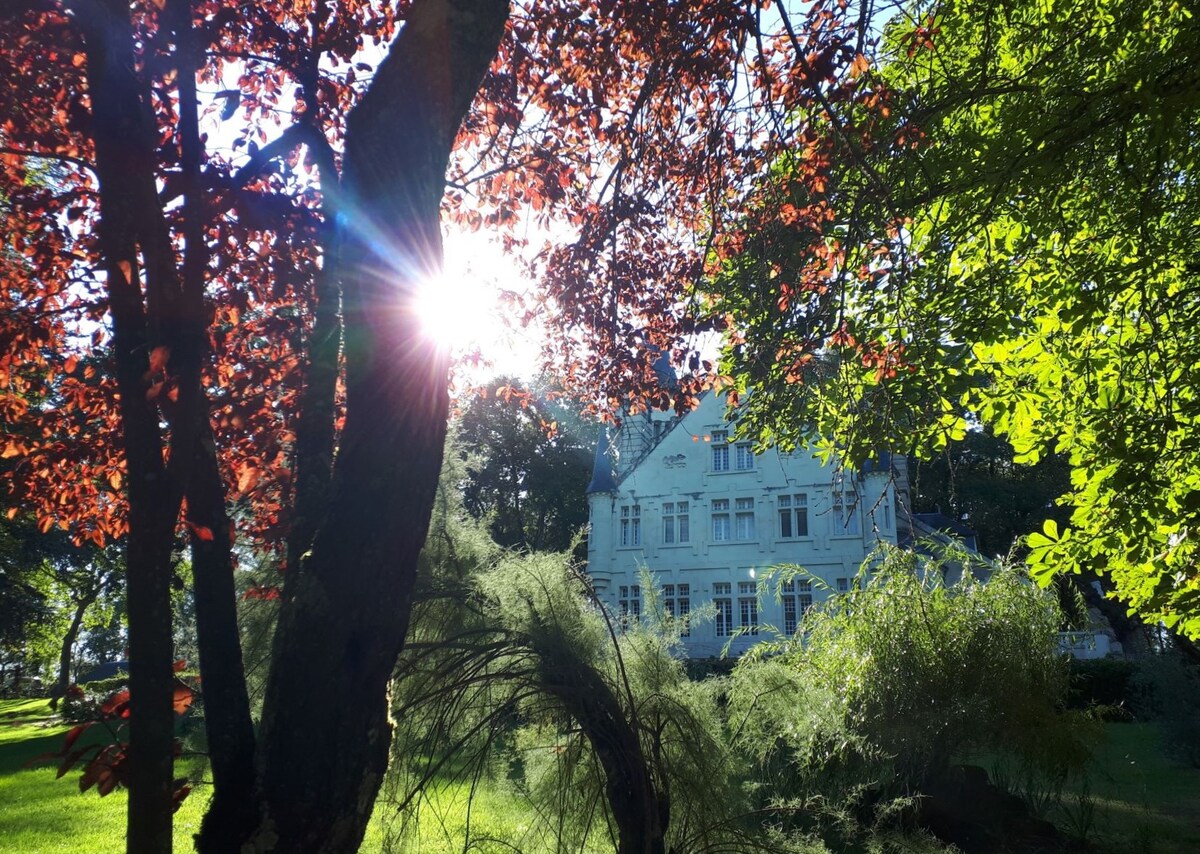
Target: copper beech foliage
{"x":646,"y":143}
{"x":105,"y":759}
{"x":640,"y":135}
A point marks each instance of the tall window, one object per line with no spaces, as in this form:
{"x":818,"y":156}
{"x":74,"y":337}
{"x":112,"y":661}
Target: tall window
{"x":720,"y":520}
{"x":748,"y":607}
{"x":845,"y":514}
{"x":744,"y":519}
{"x":631,"y":525}
{"x":843,"y":585}
{"x":797,"y":598}
{"x":629,"y":602}
{"x":720,"y":450}
{"x":744,"y":456}
{"x":675,"y":522}
{"x":724,"y":606}
{"x":793,"y":515}
{"x":677,"y":604}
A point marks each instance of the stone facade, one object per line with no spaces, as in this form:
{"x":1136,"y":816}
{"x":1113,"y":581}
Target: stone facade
{"x":681,"y":499}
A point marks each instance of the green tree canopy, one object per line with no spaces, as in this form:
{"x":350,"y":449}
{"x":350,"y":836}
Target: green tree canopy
{"x":1014,"y":234}
{"x":529,"y":469}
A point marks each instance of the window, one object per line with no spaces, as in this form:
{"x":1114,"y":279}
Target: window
{"x":748,"y":607}
{"x":744,"y":456}
{"x":720,"y":520}
{"x":793,"y":515}
{"x":677,"y":604}
{"x":744,"y":520}
{"x":629,"y":603}
{"x":684,"y":607}
{"x":720,"y":450}
{"x":675,"y":522}
{"x":843,"y":585}
{"x":845,"y":514}
{"x":797,"y":598}
{"x":631,"y":525}
{"x":724,"y":608}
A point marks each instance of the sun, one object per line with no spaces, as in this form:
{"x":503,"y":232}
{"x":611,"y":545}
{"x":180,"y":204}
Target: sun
{"x":459,"y":313}
{"x":466,"y":311}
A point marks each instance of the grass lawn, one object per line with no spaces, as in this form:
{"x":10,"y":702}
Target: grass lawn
{"x":1135,"y":801}
{"x":1144,"y":803}
{"x":43,"y":815}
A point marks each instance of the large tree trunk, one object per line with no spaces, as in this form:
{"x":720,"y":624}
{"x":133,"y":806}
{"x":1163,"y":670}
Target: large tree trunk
{"x":132,"y":230}
{"x":323,"y":744}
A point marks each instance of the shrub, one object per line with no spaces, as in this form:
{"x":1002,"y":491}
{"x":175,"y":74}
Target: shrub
{"x":886,"y":684}
{"x":1104,"y":683}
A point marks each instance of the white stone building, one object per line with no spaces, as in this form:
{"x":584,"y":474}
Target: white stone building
{"x":681,"y":499}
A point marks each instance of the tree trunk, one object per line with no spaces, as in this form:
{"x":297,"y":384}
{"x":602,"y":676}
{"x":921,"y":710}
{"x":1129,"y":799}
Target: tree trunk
{"x":64,"y":656}
{"x":323,"y":744}
{"x":233,"y":813}
{"x":131,"y":220}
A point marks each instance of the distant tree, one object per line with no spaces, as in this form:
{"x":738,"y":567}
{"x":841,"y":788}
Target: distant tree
{"x":975,"y":480}
{"x":74,"y":587}
{"x":24,"y":609}
{"x":528,"y":468}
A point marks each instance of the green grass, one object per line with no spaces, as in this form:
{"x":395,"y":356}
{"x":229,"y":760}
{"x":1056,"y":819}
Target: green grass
{"x":1141,"y":802}
{"x":495,"y":820}
{"x":1144,"y":802}
{"x":43,"y":815}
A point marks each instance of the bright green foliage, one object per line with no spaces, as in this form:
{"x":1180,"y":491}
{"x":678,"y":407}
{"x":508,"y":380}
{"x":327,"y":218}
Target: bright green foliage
{"x":885,"y":685}
{"x":1028,"y":250}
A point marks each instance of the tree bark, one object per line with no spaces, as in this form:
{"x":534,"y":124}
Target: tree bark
{"x":131,"y":219}
{"x":324,"y":739}
{"x":64,"y":656}
{"x":232,"y":813}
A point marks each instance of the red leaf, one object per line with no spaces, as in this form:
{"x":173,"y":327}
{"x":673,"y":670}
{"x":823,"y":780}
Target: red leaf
{"x":74,"y":734}
{"x":202,"y":533}
{"x":181,"y":792}
{"x":117,"y":704}
{"x":248,"y":478}
{"x":184,"y":696}
{"x":108,"y":781}
{"x":158,"y":358}
{"x":89,"y":776}
{"x":41,"y":757}
{"x":71,"y":758}
{"x":179,"y":665}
